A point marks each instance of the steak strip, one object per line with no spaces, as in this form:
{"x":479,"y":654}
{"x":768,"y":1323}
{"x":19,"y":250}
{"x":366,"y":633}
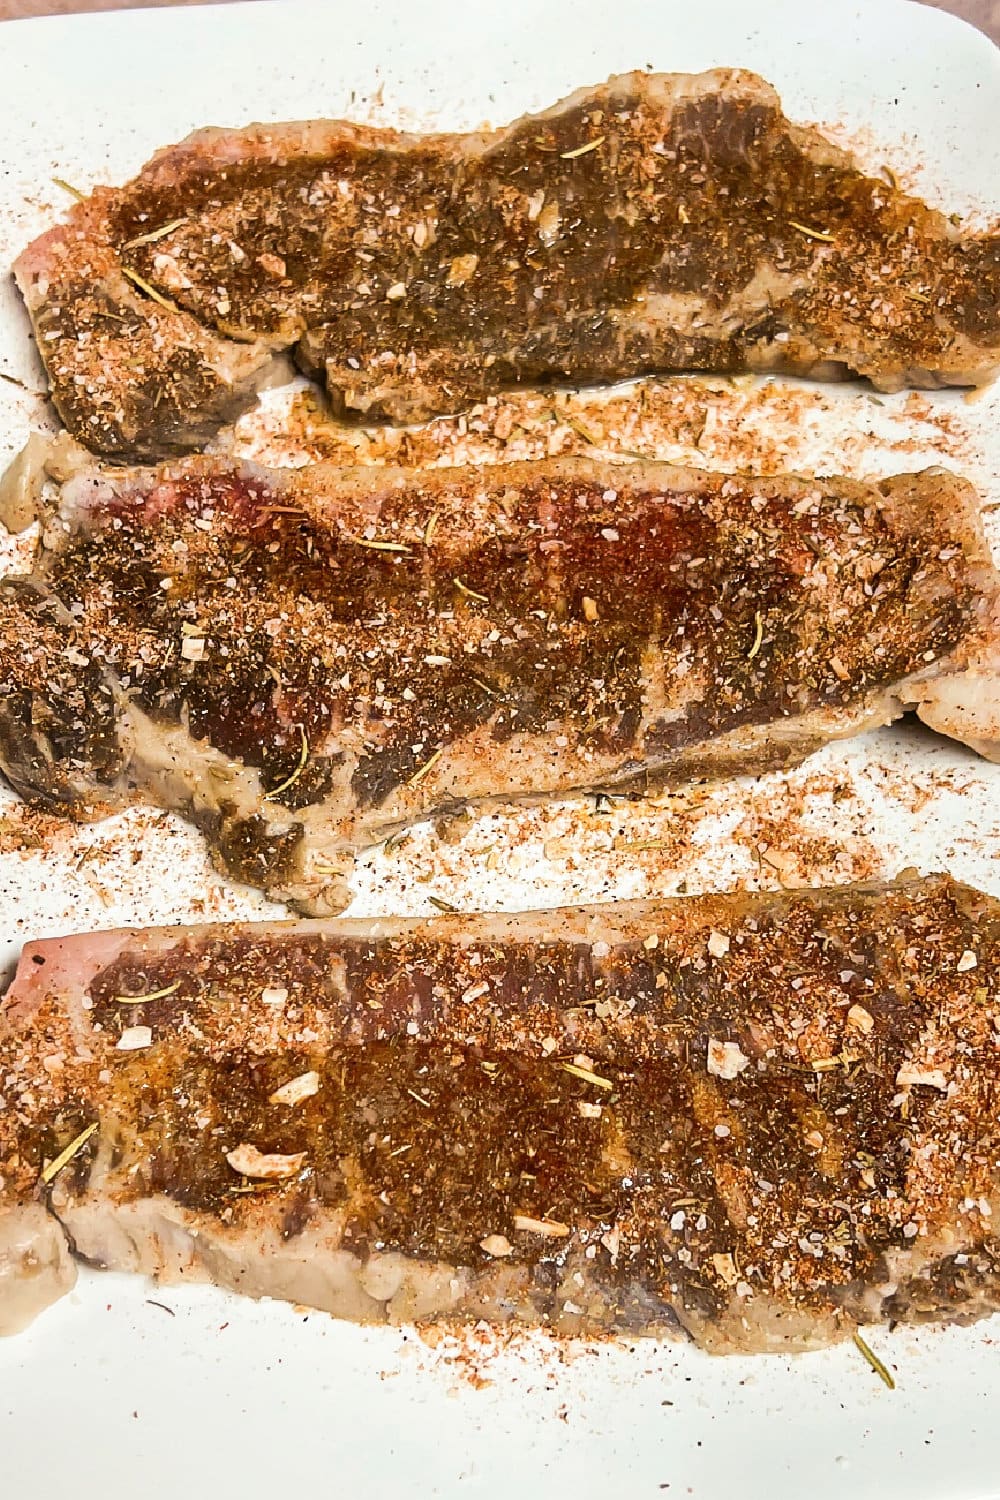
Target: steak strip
{"x":306,"y":661}
{"x":757,"y":1120}
{"x":654,"y":223}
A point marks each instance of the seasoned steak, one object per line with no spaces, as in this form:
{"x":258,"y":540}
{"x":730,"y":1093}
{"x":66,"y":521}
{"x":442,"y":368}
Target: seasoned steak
{"x":759,"y":1120}
{"x":658,"y":222}
{"x":305,"y":661}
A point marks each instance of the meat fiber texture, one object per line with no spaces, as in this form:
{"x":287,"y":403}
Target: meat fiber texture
{"x":755,"y":1120}
{"x":654,"y":223}
{"x":304,"y":662}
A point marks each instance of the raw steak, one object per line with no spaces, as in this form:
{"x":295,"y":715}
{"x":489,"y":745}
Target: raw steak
{"x":655,"y":223}
{"x":306,"y":661}
{"x":759,"y":1120}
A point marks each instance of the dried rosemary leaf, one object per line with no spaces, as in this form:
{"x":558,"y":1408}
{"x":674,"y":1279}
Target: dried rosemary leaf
{"x":55,"y":1167}
{"x":13,"y":380}
{"x":586,"y":1075}
{"x":426,"y":768}
{"x":150,"y":291}
{"x":463,"y":588}
{"x":291,"y":780}
{"x":68,"y":187}
{"x":876,"y":1364}
{"x":811,"y":233}
{"x":552,"y":1228}
{"x":581,"y":430}
{"x":582,"y":150}
{"x":360,"y":541}
{"x":154,"y":234}
{"x":168,"y":989}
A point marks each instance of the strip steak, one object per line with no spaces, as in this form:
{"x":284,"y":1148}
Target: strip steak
{"x":307,"y":661}
{"x":654,"y":223}
{"x":758,"y":1120}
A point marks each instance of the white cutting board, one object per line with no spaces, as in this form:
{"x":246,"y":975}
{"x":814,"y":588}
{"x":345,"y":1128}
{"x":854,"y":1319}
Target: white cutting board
{"x":111,"y":1396}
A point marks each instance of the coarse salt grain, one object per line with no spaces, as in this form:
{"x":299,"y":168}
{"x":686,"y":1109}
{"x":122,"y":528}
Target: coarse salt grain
{"x":725,"y":1268}
{"x":250,"y":1162}
{"x":612,"y":1242}
{"x":726,"y":1059}
{"x":718,"y":944}
{"x":911,"y":1076}
{"x":297,"y":1089}
{"x":133,"y":1038}
{"x":497,"y":1245}
{"x":461,"y":268}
